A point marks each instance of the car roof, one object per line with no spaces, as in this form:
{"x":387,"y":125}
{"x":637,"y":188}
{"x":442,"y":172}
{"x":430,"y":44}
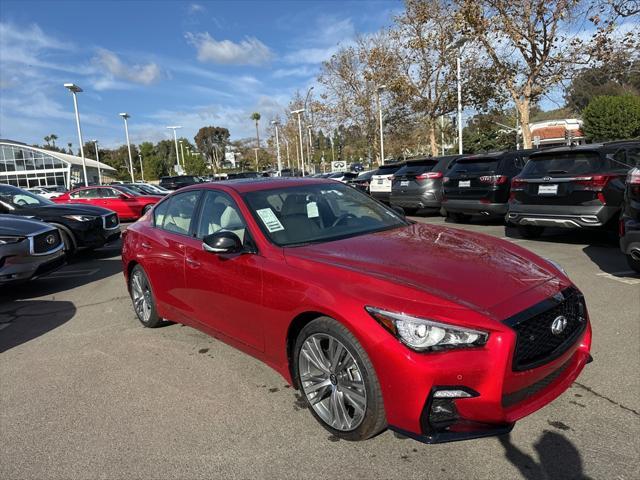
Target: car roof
{"x":244,"y":185}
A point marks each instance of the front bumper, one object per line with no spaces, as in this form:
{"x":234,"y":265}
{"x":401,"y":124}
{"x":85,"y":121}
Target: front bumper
{"x":20,"y":268}
{"x":95,"y":234}
{"x":563,"y":216}
{"x":474,"y":207}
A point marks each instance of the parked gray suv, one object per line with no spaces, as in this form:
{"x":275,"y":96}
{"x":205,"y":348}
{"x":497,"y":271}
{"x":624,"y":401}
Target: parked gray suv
{"x":418,"y":184}
{"x":28,"y":249}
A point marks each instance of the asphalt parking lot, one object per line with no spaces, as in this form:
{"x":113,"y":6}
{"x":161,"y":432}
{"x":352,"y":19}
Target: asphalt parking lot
{"x":86,"y":392}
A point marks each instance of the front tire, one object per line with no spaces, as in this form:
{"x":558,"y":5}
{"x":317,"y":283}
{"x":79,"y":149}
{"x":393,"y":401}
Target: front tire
{"x":338,"y":381}
{"x":144,"y":303}
{"x":459,"y":217}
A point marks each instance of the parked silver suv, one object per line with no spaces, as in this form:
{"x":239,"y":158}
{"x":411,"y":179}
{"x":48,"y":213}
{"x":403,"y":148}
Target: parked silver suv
{"x":28,"y":249}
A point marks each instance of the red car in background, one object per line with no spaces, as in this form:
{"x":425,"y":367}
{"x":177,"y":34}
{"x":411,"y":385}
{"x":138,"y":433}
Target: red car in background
{"x":127,"y":204}
{"x":438,"y":333}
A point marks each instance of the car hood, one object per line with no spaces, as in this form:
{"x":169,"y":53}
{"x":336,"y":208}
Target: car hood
{"x":14,"y":225}
{"x":468,"y":268}
{"x":63,"y":209}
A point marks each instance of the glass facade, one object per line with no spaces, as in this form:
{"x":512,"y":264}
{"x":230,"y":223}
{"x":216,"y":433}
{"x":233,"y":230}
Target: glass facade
{"x":25,"y":167}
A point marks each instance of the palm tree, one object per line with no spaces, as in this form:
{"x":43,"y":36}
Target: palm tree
{"x":70,"y":150}
{"x":53,"y":138}
{"x":255,"y":116}
{"x":47,"y":139}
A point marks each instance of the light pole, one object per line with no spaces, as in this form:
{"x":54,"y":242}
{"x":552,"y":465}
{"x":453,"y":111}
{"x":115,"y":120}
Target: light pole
{"x":256,"y":152}
{"x":286,"y":142}
{"x":378,"y":90}
{"x":95,"y":144}
{"x":459,"y":77}
{"x":175,"y":139}
{"x":275,"y":123}
{"x":181,"y":152}
{"x":310,"y":146}
{"x":125,"y":116}
{"x":298,"y":112}
{"x":74,"y":89}
{"x":141,"y":167}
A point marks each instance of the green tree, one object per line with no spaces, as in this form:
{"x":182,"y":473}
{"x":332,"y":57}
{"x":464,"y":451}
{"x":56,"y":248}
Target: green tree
{"x":255,"y":116}
{"x":604,"y":80}
{"x":612,"y":118}
{"x":211,"y":142}
{"x":53,"y":137}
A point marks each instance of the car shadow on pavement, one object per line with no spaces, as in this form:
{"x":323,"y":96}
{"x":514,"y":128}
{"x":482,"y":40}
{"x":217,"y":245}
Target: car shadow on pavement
{"x":558,"y":458}
{"x":610,"y":261}
{"x":23,"y":321}
{"x":601,"y":238}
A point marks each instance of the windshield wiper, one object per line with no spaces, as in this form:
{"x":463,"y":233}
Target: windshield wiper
{"x":557,"y":171}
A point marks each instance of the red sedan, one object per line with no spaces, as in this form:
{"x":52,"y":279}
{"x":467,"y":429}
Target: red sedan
{"x":127,"y":204}
{"x":381,"y":322}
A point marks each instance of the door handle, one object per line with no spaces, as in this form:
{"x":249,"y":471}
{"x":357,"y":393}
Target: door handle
{"x":192,"y":262}
{"x":145,"y":245}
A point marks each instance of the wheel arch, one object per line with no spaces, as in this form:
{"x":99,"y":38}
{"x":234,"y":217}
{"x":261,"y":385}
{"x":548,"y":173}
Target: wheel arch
{"x":295,"y":327}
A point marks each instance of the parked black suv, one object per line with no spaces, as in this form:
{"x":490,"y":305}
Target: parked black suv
{"x":630,"y":218}
{"x":179,"y":181}
{"x":571,"y":187}
{"x":81,"y":226}
{"x":480,"y":184}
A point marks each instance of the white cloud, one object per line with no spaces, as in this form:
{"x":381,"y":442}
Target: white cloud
{"x":196,"y":8}
{"x":325,"y":39}
{"x":249,"y":51}
{"x":303,"y":71}
{"x":144,"y":74}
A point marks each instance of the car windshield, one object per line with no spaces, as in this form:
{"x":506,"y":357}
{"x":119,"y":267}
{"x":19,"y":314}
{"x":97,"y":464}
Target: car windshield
{"x":135,"y":189}
{"x":315,"y":213}
{"x":128,"y":190}
{"x":475,"y":165}
{"x":17,"y":198}
{"x":560,"y":163}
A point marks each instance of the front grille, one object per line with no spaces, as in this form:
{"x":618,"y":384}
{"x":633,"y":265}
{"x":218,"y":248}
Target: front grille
{"x":46,"y":241}
{"x":536,"y":342}
{"x":110,"y":221}
{"x":510,"y":399}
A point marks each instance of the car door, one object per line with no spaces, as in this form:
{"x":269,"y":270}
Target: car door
{"x":224,"y":291}
{"x":119,"y":202}
{"x":162,"y":251}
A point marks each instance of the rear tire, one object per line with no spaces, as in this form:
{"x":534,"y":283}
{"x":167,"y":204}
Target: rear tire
{"x":459,"y":217}
{"x":633,"y":263}
{"x":144,"y":303}
{"x":338,"y":381}
{"x":530,"y":231}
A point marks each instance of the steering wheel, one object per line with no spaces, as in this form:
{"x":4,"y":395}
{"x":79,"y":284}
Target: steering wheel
{"x":342,"y":218}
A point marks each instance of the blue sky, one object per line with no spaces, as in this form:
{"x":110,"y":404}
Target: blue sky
{"x":165,"y":63}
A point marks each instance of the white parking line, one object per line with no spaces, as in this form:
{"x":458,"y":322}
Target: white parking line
{"x":621,"y":277}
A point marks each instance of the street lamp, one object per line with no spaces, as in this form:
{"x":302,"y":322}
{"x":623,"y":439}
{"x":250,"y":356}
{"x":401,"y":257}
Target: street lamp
{"x":175,"y":139}
{"x":74,"y":89}
{"x":141,"y":167}
{"x":275,"y":123}
{"x":95,"y":144}
{"x":125,"y":116}
{"x":256,"y":152}
{"x":309,"y":147}
{"x":181,"y":152}
{"x":298,"y":112}
{"x":286,"y":142}
{"x":459,"y":78}
{"x":378,"y":90}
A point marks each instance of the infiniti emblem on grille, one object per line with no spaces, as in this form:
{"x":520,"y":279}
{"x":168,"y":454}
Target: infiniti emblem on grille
{"x":546,"y":179}
{"x":558,"y":325}
{"x":50,"y":239}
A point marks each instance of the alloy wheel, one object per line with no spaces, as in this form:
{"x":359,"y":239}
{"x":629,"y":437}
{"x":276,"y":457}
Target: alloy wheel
{"x":141,"y":294}
{"x":332,"y":382}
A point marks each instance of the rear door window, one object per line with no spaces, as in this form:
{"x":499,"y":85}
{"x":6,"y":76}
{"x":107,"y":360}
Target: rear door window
{"x":416,"y":168}
{"x":575,"y":163}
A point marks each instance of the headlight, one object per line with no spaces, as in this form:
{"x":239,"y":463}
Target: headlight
{"x":421,"y":334}
{"x":7,"y":239}
{"x":557,"y":265}
{"x":80,"y":218}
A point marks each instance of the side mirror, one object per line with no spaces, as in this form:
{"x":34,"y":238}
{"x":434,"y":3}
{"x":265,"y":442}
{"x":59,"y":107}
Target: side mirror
{"x":222,"y":242}
{"x":398,"y":210}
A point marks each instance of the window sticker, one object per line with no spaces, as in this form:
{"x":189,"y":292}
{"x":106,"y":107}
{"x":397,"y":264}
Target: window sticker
{"x":270,"y":220}
{"x":312,"y":210}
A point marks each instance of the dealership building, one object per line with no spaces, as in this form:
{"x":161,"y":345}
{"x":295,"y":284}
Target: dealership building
{"x":25,"y":166}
